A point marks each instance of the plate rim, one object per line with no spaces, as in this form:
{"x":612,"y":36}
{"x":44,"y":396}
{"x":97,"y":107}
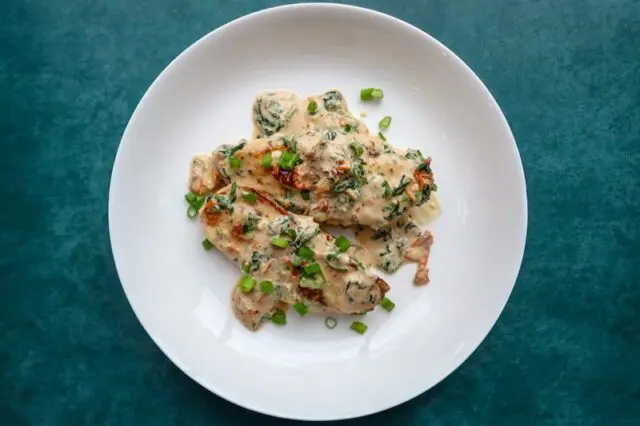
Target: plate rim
{"x":372,"y":13}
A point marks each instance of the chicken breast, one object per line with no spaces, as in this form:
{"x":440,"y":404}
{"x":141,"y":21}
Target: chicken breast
{"x":335,"y":176}
{"x":286,"y":259}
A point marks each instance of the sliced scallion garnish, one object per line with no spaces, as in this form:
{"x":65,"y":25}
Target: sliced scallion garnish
{"x":330,"y":322}
{"x":250,"y":197}
{"x":305,"y":253}
{"x":235,"y":162}
{"x":190,"y":197}
{"x":356,"y":148}
{"x":192,"y":212}
{"x":300,"y":308}
{"x":382,"y":136}
{"x":387,"y":304}
{"x":312,"y":268}
{"x":371,"y":94}
{"x":280,"y":242}
{"x":206,"y":244}
{"x":288,"y":160}
{"x":267,"y":160}
{"x":279,"y":317}
{"x":343,"y":243}
{"x":385,"y":123}
{"x":266,"y":286}
{"x":246,"y":284}
{"x":312,"y":107}
{"x":359,"y":327}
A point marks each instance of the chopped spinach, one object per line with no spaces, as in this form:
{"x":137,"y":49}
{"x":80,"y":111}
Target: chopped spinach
{"x":354,"y":180}
{"x":357,"y":171}
{"x":288,"y":194}
{"x":345,"y":184}
{"x":387,"y":189}
{"x":269,"y":115}
{"x":333,"y":260}
{"x":226,"y":202}
{"x":314,"y":281}
{"x":290,"y":143}
{"x":279,"y":225}
{"x":413,"y":154}
{"x":351,"y":288}
{"x":424,"y":167}
{"x":254,"y":265}
{"x":250,"y":224}
{"x":305,"y":234}
{"x":394,"y":210}
{"x":356,"y":148}
{"x":384,"y":234}
{"x":332,"y":100}
{"x":404,"y":182}
{"x":410,"y":225}
{"x":330,"y":135}
{"x":232,"y":192}
{"x":425,"y":194}
{"x":229,"y":150}
{"x":291,"y":111}
{"x":222,"y":202}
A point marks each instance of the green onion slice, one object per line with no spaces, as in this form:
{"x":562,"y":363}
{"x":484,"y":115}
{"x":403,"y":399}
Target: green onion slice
{"x":356,"y":148}
{"x":312,"y":268}
{"x":359,"y":327}
{"x":280,"y":242}
{"x":300,"y":308}
{"x":330,"y":322}
{"x":279,"y":317}
{"x":371,"y":94}
{"x":385,"y":123}
{"x":267,"y":160}
{"x":288,"y":160}
{"x":343,"y":243}
{"x":206,"y":244}
{"x":334,"y":262}
{"x":312,"y":107}
{"x":192,"y":212}
{"x":235,"y":163}
{"x":190,"y":197}
{"x":305,"y":253}
{"x":387,"y":304}
{"x":266,"y":287}
{"x":382,"y":136}
{"x":250,"y":197}
{"x":246,"y":284}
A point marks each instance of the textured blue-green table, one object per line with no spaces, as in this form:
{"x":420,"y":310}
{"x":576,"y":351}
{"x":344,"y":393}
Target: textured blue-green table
{"x":566,"y":350}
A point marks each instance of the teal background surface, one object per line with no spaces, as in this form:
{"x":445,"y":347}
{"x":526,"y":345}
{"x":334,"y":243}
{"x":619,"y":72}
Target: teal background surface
{"x":566,"y":350}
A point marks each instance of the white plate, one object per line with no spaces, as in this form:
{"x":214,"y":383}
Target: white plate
{"x":180,"y":293}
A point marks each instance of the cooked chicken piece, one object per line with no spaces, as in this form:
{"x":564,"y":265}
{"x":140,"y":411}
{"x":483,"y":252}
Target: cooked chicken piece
{"x":203,"y":177}
{"x":302,"y":263}
{"x":336,"y":177}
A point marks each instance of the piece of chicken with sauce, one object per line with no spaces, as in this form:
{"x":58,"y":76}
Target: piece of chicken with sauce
{"x":301,"y":263}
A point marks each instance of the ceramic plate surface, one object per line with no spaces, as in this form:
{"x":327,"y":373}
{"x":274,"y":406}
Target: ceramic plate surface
{"x":180,"y":293}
